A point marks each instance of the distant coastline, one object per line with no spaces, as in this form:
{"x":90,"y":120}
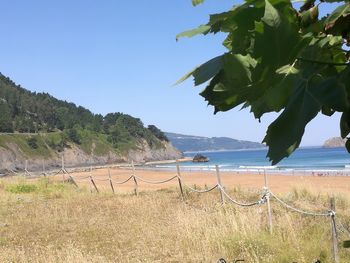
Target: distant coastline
{"x":254,"y":149}
{"x":191,"y":143}
{"x":226,"y":150}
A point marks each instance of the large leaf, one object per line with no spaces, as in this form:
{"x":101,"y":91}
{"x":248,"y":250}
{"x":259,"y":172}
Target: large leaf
{"x":203,"y":29}
{"x":271,"y":15}
{"x":277,"y":95}
{"x":309,"y":17}
{"x":347,"y":145}
{"x":346,"y":244}
{"x":282,"y":38}
{"x":345,"y":124}
{"x":307,"y":5}
{"x":232,"y":88}
{"x":284,"y":134}
{"x":204,"y":72}
{"x":339,"y":12}
{"x":331,"y":93}
{"x":239,"y":16}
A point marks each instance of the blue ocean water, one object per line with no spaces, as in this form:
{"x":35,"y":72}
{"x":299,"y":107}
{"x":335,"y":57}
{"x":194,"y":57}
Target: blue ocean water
{"x":302,"y":159}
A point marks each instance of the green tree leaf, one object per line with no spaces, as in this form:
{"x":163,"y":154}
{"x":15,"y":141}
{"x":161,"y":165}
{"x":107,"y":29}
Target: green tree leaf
{"x":203,"y":29}
{"x":280,"y":59}
{"x":309,"y":16}
{"x":204,"y":72}
{"x":271,"y":15}
{"x":346,"y":244}
{"x":232,"y":88}
{"x":197,"y":2}
{"x":284,"y":134}
{"x":341,"y":11}
{"x":347,"y":145}
{"x":345,"y":124}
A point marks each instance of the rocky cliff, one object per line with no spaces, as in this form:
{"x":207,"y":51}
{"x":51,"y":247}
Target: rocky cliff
{"x":14,"y":153}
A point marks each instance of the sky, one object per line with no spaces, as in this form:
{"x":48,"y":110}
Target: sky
{"x":122,"y":56}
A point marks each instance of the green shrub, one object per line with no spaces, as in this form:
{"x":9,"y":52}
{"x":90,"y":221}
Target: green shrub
{"x":33,"y":142}
{"x":21,"y":188}
{"x":73,"y":135}
{"x":57,"y":141}
{"x":158,"y":133}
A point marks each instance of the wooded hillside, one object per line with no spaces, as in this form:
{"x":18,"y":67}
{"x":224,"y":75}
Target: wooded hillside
{"x":23,"y":111}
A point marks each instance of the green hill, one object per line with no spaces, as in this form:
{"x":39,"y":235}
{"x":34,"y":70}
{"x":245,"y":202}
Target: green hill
{"x":41,"y":125}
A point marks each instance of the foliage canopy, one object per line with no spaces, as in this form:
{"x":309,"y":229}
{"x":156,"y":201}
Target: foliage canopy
{"x":23,"y":111}
{"x":280,"y":59}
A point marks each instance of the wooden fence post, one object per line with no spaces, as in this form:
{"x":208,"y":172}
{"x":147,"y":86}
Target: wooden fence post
{"x":179,"y":180}
{"x":269,"y":212}
{"x":334,"y":231}
{"x":73,"y":181}
{"x":44,"y":173}
{"x":93,"y":183}
{"x":63,"y":168}
{"x":135,"y":181}
{"x":25,"y":165}
{"x":26,"y":172}
{"x":220,"y":184}
{"x":110,"y":179}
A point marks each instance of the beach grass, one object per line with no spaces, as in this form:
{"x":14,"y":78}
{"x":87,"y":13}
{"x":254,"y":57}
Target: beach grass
{"x":47,"y":221}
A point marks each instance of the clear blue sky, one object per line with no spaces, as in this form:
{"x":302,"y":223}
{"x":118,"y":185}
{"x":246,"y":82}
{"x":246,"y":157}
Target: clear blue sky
{"x":111,"y":56}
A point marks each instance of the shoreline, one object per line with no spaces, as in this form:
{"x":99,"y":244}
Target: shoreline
{"x":181,"y":160}
{"x":274,"y":171}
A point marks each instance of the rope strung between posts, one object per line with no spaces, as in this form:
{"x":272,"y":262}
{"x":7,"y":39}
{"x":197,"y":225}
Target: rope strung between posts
{"x":60,"y":171}
{"x":265,"y":195}
{"x":56,"y":173}
{"x":101,"y":180}
{"x":123,"y":182}
{"x":80,"y":178}
{"x":328,"y":213}
{"x":259,"y":202}
{"x":201,"y":191}
{"x":154,"y":181}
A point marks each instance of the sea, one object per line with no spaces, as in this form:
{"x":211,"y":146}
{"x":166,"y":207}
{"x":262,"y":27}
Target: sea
{"x":308,"y":159}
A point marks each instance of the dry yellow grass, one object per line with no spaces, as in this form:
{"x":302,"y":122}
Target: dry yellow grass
{"x":56,"y":222}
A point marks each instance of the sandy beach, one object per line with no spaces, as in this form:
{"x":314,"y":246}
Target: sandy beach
{"x":278,"y":183}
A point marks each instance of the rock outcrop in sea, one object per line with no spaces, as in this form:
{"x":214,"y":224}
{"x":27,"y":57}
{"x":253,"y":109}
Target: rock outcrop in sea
{"x":334,"y":142}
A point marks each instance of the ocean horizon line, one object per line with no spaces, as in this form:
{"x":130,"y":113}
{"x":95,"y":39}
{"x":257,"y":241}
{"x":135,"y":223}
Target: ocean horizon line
{"x":254,"y":149}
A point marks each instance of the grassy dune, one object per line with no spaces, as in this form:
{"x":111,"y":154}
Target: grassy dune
{"x":45,"y":221}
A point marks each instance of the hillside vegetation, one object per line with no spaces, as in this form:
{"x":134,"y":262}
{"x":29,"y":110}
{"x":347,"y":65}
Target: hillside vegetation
{"x":45,"y":221}
{"x":47,"y":125}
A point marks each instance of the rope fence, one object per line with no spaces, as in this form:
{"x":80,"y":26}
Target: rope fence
{"x":156,"y":182}
{"x":259,"y":202}
{"x":122,"y":182}
{"x":328,"y":213}
{"x":266,"y":195}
